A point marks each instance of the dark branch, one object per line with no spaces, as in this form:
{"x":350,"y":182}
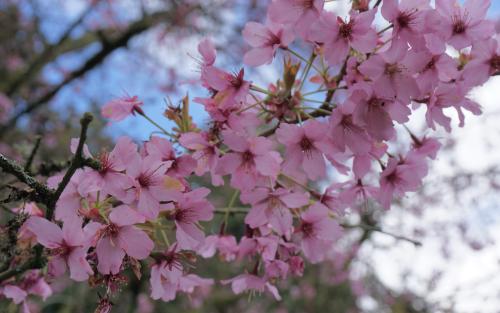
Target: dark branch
{"x":77,"y":162}
{"x":109,"y":45}
{"x":11,"y":167}
{"x":43,"y":58}
{"x":31,"y":157}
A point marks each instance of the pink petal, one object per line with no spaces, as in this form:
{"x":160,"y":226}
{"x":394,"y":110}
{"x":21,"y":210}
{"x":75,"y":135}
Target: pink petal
{"x":109,"y":255}
{"x":48,"y":234}
{"x":135,"y":242}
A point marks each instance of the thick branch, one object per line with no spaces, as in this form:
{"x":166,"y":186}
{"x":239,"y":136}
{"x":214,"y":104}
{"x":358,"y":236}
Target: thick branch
{"x":11,"y":167}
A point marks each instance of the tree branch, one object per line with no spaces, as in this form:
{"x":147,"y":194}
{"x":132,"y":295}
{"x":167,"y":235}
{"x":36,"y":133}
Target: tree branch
{"x":43,"y":58}
{"x":11,"y":167}
{"x":109,"y":45}
{"x":31,"y":157}
{"x":77,"y":162}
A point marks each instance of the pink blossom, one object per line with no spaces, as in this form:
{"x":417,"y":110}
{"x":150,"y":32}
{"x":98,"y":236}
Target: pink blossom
{"x":296,"y":265}
{"x":119,"y":237}
{"x":372,"y":112}
{"x":446,"y":96}
{"x":318,"y":232}
{"x":205,"y":153}
{"x":408,"y":19}
{"x":68,"y":246}
{"x":276,"y":269}
{"x":342,"y":35}
{"x":432,"y":65}
{"x":207,"y":51}
{"x":245,"y":282}
{"x":29,"y":208}
{"x":149,"y":184}
{"x":356,"y":192}
{"x":231,"y":89}
{"x":485,"y":62}
{"x":250,"y":161}
{"x":463,"y":25}
{"x":390,"y":75}
{"x":164,"y":279}
{"x":265,"y":246}
{"x":401,"y":176}
{"x":110,"y":179}
{"x":190,"y":208}
{"x":305,"y":147}
{"x":162,"y":150}
{"x":265,"y":41}
{"x":225,"y":244}
{"x":273,"y":207}
{"x":300,"y":14}
{"x":119,"y":109}
{"x":345,"y":132}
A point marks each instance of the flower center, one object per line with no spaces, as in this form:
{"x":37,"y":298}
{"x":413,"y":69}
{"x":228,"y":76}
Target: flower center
{"x":106,"y":164}
{"x":375,"y":102}
{"x":62,"y":251}
{"x":305,"y":144}
{"x":391,"y":69}
{"x":345,"y":30}
{"x":307,"y":229}
{"x":308,"y":4}
{"x":495,"y":63}
{"x":111,"y":230}
{"x":406,"y":18}
{"x":431,"y":65}
{"x":247,"y":158}
{"x":460,"y":23}
{"x":237,"y":79}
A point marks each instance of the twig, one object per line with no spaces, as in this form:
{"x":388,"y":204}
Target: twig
{"x":77,"y":162}
{"x":380,"y":230}
{"x":29,"y":161}
{"x":37,"y":262}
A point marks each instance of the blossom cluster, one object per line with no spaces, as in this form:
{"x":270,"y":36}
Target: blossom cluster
{"x":273,"y":146}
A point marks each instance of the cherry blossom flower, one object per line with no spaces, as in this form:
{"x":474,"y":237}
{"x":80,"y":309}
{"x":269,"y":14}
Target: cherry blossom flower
{"x":68,"y":247}
{"x":205,"y":153}
{"x":301,"y":14}
{"x":251,"y":160}
{"x":305,"y":147}
{"x":408,"y":18}
{"x":265,"y":41}
{"x":149,"y":184}
{"x":463,"y":25}
{"x":342,"y":35}
{"x":232,"y":89}
{"x":390,"y":75}
{"x":119,"y":237}
{"x":119,"y":109}
{"x":110,"y":179}
{"x":318,"y":232}
{"x":245,"y":282}
{"x":401,"y":176}
{"x":485,"y":62}
{"x":190,"y":208}
{"x":162,"y":150}
{"x":273,"y":207}
{"x":226,"y":245}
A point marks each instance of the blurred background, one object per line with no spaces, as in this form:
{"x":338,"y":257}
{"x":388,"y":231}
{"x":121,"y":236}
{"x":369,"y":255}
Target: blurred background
{"x":60,"y":58}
